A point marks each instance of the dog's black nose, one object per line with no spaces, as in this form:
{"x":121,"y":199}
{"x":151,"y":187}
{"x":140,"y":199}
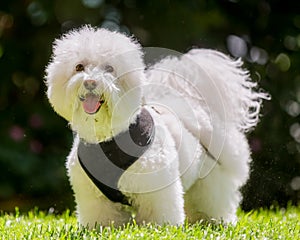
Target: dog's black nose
{"x":90,"y":84}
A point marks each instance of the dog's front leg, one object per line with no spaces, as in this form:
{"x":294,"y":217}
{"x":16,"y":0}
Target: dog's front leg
{"x":91,"y":205}
{"x":157,"y":195}
{"x":164,"y":206}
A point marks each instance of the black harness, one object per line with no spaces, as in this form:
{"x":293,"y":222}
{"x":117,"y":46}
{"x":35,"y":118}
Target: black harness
{"x":105,"y":162}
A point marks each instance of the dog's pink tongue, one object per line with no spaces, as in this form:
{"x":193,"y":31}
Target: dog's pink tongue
{"x":91,"y":104}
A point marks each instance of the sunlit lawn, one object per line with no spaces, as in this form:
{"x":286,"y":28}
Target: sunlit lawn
{"x":262,"y":224}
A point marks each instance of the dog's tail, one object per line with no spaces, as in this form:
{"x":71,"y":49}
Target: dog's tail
{"x":231,"y":86}
{"x":223,"y":89}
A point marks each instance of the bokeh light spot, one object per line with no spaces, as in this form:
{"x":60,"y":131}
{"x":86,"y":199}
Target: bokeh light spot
{"x":16,"y":133}
{"x":237,"y":46}
{"x":259,"y":55}
{"x":290,"y":43}
{"x":297,"y":21}
{"x":293,"y":108}
{"x":37,"y":14}
{"x":295,"y":131}
{"x":283,"y":62}
{"x":36,"y":146}
{"x":295,"y":183}
{"x":92,"y":3}
{"x":6,"y":21}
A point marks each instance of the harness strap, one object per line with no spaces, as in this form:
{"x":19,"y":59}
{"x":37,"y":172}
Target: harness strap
{"x":105,"y":162}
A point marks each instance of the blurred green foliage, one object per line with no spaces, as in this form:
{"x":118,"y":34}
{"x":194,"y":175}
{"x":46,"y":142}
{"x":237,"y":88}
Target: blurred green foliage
{"x":35,"y":141}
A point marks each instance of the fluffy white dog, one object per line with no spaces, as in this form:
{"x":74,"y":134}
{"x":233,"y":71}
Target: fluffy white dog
{"x":157,"y":144}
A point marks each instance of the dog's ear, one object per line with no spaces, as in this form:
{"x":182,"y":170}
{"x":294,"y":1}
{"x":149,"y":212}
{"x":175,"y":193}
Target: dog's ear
{"x":57,"y":98}
{"x":55,"y":80}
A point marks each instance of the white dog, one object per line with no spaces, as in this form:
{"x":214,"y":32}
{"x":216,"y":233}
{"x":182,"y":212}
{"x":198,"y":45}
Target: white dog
{"x":161,"y":144}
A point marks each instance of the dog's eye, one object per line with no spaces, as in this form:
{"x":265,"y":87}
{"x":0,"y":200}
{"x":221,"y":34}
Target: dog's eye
{"x":108,"y":68}
{"x":79,"y":67}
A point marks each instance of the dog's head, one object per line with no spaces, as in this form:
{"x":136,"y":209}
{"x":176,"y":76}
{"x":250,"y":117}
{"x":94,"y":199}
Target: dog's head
{"x":93,"y":81}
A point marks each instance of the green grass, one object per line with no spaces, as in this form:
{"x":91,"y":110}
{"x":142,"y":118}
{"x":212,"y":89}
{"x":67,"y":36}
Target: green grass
{"x":262,"y":224}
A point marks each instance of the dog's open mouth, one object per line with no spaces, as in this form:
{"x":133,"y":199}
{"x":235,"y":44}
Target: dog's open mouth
{"x":91,"y":102}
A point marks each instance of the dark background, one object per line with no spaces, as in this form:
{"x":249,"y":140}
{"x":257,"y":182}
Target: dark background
{"x":34,"y":141}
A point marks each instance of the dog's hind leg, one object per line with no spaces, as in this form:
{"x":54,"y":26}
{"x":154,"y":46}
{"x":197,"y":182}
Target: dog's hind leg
{"x":213,"y":197}
{"x":216,"y":195}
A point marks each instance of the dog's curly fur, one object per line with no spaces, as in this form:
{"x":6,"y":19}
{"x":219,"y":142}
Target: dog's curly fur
{"x":201,"y":102}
